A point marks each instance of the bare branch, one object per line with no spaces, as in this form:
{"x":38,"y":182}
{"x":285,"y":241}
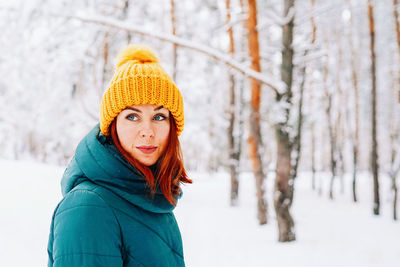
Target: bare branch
{"x":266,"y":79}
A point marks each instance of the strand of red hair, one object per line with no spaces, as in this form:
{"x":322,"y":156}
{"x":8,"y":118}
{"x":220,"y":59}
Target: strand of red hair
{"x":170,"y":172}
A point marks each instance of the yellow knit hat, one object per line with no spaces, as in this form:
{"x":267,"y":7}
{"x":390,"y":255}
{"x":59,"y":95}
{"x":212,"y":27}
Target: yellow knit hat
{"x":139,"y":79}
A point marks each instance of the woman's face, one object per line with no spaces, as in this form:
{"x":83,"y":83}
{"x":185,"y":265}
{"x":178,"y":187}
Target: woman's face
{"x":143,"y":132}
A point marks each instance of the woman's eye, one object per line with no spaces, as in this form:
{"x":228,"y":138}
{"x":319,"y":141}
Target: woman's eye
{"x":132,"y":117}
{"x":159,"y":117}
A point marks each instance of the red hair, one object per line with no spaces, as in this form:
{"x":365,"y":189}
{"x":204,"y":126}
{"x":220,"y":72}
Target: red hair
{"x":169,"y":173}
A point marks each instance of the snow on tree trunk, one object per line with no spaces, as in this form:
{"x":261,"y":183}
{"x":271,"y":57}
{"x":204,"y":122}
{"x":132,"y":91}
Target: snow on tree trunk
{"x":282,"y":189}
{"x":255,"y":141}
{"x":374,"y":154}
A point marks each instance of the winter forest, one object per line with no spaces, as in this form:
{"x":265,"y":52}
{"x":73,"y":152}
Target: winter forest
{"x":292,"y":121}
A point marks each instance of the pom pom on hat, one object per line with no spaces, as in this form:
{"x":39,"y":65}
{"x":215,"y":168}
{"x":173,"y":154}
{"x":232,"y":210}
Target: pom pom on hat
{"x":138,"y":53}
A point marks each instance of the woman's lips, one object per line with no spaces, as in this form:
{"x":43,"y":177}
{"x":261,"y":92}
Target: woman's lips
{"x":147,"y":149}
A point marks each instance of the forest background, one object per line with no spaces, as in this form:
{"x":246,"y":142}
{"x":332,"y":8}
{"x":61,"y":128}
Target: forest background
{"x":273,"y":90}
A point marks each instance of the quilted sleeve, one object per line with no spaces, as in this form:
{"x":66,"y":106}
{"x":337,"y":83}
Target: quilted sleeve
{"x":84,"y":232}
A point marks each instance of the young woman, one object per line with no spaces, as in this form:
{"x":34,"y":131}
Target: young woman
{"x":123,"y":183}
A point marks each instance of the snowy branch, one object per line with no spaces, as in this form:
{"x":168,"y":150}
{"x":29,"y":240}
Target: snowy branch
{"x":276,"y":85}
{"x":240,"y":19}
{"x":305,"y":18}
{"x":274,"y":18}
{"x":309,"y":57}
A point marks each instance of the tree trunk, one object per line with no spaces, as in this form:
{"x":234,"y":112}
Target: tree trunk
{"x":174,"y":46}
{"x":338,"y":128}
{"x":332,"y":138}
{"x":240,"y":98}
{"x":282,"y":193}
{"x":313,"y":39}
{"x":313,"y":154}
{"x":397,"y":23}
{"x":354,"y":78}
{"x":282,"y":190}
{"x":255,"y":141}
{"x":394,"y":187}
{"x":105,"y":61}
{"x":374,"y":154}
{"x":339,"y":134}
{"x":394,"y":169}
{"x":395,"y":130}
{"x":332,"y":142}
{"x":296,"y":146}
{"x":233,"y":160}
{"x":124,"y":15}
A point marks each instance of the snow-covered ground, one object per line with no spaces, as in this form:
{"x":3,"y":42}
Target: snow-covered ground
{"x":329,"y":233}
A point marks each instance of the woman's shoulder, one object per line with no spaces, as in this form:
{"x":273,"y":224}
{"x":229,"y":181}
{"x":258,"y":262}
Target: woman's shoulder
{"x":85,"y":196}
{"x":84,"y":230}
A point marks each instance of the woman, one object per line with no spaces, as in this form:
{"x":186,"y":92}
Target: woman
{"x":123,"y":183}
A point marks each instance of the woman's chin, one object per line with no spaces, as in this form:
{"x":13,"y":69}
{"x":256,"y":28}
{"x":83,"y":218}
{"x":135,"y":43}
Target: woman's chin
{"x":145,"y":159}
{"x":146,"y":162}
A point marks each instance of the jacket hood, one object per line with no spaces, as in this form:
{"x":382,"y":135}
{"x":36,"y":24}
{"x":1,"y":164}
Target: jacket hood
{"x":98,"y":160}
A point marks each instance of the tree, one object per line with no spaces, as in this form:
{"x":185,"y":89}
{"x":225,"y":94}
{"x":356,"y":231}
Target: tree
{"x":234,"y":152}
{"x":374,"y":151}
{"x":174,"y":46}
{"x":282,"y":190}
{"x":355,"y":131}
{"x":394,"y":166}
{"x":331,"y":131}
{"x":255,"y":141}
{"x":313,"y":39}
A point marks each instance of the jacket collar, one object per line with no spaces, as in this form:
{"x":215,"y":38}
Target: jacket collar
{"x":98,"y":160}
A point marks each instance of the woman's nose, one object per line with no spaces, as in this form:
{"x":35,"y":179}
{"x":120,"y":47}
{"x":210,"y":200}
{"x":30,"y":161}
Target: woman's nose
{"x":147,"y":131}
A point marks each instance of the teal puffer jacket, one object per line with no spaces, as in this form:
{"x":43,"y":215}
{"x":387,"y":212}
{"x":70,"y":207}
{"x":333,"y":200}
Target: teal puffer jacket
{"x":108,"y":217}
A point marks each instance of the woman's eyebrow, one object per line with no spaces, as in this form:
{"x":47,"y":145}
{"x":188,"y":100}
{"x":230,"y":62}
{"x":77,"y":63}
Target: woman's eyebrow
{"x":137,"y":110}
{"x":134,"y":109}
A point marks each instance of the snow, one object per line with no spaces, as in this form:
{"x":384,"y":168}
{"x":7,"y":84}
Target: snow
{"x":329,"y":232}
{"x":29,"y":193}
